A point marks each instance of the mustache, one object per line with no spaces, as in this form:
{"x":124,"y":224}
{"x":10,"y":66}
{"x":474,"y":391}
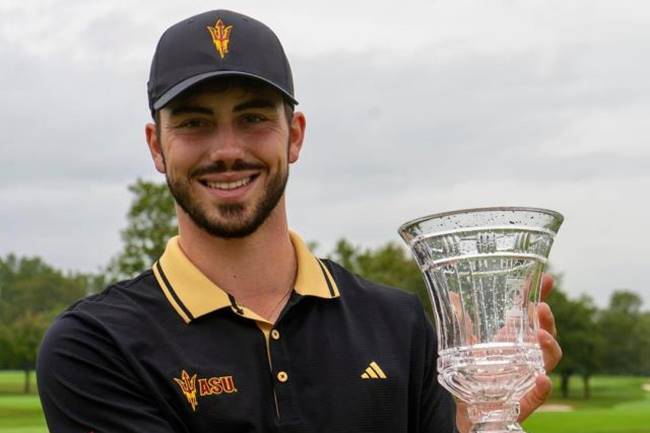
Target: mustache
{"x":222,"y":167}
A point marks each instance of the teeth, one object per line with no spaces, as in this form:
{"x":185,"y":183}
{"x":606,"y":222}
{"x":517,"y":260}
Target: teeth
{"x":230,"y":185}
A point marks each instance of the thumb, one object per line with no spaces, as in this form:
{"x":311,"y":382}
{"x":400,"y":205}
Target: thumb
{"x":535,"y":397}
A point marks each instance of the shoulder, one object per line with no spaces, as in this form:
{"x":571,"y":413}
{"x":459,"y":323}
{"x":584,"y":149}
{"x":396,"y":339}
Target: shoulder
{"x":88,"y":370}
{"x":112,"y":313}
{"x":367,"y":294}
{"x":118,"y":299}
{"x":354,"y":284}
{"x":100,"y":329}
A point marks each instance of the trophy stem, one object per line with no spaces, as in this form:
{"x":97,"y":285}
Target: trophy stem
{"x":494,"y":417}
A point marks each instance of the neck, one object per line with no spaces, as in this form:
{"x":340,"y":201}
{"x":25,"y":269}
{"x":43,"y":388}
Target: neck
{"x":258,"y":270}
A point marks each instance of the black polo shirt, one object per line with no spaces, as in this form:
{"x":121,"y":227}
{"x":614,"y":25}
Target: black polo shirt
{"x":169,"y":351}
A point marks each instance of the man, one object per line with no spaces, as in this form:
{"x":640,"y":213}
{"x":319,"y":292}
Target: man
{"x":238,"y":327}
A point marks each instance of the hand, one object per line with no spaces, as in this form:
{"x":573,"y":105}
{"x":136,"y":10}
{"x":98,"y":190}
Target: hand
{"x":551,"y":352}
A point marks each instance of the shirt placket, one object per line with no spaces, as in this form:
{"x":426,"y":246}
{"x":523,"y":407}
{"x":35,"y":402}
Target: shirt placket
{"x":279,"y":363}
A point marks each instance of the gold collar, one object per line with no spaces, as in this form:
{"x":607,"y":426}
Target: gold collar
{"x":193,"y":295}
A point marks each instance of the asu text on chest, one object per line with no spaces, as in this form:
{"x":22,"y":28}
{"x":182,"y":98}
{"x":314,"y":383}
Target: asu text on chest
{"x":216,"y":385}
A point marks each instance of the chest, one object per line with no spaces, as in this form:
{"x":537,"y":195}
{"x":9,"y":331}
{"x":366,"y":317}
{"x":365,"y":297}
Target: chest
{"x":319,"y":372}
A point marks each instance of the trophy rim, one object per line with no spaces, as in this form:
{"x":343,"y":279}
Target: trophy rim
{"x":553,"y":213}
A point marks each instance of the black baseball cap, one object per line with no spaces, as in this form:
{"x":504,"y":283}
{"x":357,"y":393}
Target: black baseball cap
{"x":216,"y":44}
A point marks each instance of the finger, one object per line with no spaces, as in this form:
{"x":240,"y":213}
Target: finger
{"x":463,"y":424}
{"x":547,"y":285}
{"x":551,"y":350}
{"x":535,"y":397}
{"x":546,"y":318}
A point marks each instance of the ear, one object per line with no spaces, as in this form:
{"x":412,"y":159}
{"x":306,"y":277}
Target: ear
{"x":296,"y":135}
{"x":155,"y":147}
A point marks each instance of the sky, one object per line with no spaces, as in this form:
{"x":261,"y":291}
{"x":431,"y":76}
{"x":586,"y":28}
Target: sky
{"x":413,"y":108}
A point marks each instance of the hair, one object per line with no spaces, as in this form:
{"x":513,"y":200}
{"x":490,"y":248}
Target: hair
{"x":223,"y":84}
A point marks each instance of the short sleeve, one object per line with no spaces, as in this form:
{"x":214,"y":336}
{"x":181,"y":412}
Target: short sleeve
{"x":437,"y":408}
{"x":86,"y":385}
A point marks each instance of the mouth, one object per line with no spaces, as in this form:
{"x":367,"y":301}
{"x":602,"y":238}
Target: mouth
{"x":229,"y":185}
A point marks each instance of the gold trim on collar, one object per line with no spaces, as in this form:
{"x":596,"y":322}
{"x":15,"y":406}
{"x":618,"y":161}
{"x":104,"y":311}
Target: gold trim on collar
{"x":193,"y":290}
{"x":192,"y":294}
{"x":313,"y":278}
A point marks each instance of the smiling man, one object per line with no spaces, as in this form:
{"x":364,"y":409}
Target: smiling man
{"x":228,"y":190}
{"x":238,"y":327}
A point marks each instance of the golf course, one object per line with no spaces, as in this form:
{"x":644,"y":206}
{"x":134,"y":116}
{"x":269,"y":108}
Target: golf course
{"x":19,"y":412}
{"x":617,"y":405}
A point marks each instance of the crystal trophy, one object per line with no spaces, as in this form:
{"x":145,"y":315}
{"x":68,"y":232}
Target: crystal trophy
{"x":483,"y":269}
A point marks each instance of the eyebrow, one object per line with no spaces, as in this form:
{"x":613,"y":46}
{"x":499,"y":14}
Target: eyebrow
{"x":198,"y":109}
{"x":191,"y":109}
{"x":254,"y":103}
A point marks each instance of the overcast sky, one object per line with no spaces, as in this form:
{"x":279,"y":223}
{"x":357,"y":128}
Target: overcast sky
{"x":413,"y":108}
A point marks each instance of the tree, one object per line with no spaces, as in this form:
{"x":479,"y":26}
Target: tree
{"x":21,"y":339}
{"x":30,"y":284}
{"x":644,"y":347}
{"x":31,"y":294}
{"x":582,"y":344}
{"x":151,"y":221}
{"x":388,"y":264}
{"x":622,"y":328}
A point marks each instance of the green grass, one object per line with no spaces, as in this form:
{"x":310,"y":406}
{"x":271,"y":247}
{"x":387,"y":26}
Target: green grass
{"x":19,"y":413}
{"x":606,"y":391}
{"x":618,"y":405}
{"x":13,"y":382}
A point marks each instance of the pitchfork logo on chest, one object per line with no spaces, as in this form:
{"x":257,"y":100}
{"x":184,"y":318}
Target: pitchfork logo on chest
{"x":207,"y":386}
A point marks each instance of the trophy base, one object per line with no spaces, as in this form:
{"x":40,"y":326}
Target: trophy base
{"x":495,"y":418}
{"x":491,"y":427}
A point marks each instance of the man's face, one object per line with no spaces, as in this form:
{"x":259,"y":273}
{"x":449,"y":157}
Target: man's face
{"x":225,"y":155}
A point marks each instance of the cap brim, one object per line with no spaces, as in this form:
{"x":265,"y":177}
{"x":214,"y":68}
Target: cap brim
{"x":179,"y":88}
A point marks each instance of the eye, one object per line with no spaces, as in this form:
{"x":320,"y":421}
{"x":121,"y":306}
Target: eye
{"x":193,"y":124}
{"x":253,"y":118}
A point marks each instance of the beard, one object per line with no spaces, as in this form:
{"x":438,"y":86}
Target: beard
{"x":228,"y":221}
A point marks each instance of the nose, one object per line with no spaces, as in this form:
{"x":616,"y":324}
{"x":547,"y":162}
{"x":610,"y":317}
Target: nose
{"x":226,"y":145}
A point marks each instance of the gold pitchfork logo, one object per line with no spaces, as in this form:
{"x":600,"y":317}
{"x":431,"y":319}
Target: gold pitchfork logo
{"x":188,"y":386}
{"x":221,"y":37}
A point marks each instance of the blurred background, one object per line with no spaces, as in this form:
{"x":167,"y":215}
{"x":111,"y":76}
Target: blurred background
{"x":412,"y":108}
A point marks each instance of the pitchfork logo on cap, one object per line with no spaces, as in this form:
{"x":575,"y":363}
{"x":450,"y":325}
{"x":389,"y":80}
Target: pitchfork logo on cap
{"x":221,"y":37}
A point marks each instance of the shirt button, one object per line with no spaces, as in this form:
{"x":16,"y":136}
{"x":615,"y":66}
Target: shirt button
{"x":275,"y":334}
{"x":283,"y":376}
